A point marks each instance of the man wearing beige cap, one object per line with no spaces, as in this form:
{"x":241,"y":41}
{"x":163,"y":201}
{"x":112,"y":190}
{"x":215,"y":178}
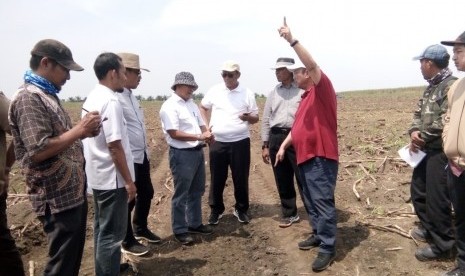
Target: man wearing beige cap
{"x":134,"y":116}
{"x":233,"y":109}
{"x":50,"y":152}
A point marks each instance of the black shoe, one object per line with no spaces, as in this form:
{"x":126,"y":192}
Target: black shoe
{"x":202,"y":229}
{"x":148,"y":236}
{"x":309,"y":243}
{"x":420,"y":234}
{"x":184,"y":238}
{"x":241,"y":216}
{"x":214,"y":218}
{"x":134,"y":248}
{"x":455,"y":272}
{"x":323,"y":261}
{"x":427,"y":254}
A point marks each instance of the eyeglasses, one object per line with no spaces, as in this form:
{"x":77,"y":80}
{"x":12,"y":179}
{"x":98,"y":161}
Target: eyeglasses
{"x":227,"y":74}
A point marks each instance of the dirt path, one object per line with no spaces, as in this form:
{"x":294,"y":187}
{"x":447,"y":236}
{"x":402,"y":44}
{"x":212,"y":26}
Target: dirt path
{"x":259,"y":248}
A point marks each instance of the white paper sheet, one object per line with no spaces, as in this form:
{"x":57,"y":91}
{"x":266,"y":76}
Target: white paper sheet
{"x":412,"y":158}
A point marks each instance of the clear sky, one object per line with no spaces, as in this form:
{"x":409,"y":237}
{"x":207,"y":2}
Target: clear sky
{"x":360,"y":44}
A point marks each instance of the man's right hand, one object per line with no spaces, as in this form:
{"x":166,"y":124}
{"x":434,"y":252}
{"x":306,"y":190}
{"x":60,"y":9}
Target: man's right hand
{"x":416,"y":142}
{"x":131,"y":190}
{"x":279,"y":155}
{"x":90,"y":124}
{"x":266,"y":155}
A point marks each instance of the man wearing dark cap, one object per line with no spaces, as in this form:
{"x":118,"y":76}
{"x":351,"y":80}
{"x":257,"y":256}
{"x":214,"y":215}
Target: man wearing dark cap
{"x":278,"y":117}
{"x":50,"y":153}
{"x":134,"y":116}
{"x":429,"y":190}
{"x":186,"y":134}
{"x":454,"y":147}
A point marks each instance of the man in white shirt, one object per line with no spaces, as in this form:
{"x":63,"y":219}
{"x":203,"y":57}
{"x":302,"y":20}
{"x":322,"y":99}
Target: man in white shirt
{"x":233,"y":109}
{"x":186,"y":134}
{"x":134,"y":116}
{"x":109,"y":165}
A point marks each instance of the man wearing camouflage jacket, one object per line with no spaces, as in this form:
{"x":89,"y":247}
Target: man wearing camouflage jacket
{"x":429,"y":190}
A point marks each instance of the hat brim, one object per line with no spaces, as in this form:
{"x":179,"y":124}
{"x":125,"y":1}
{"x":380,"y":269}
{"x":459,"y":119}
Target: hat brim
{"x":294,"y":67}
{"x":452,"y":43}
{"x":146,"y":70}
{"x":71,"y":65}
{"x":282,"y":65}
{"x":173,"y":87}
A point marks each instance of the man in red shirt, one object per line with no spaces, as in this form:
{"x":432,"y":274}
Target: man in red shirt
{"x":314,"y":137}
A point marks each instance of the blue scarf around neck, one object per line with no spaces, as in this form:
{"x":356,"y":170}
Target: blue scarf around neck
{"x":41,"y":82}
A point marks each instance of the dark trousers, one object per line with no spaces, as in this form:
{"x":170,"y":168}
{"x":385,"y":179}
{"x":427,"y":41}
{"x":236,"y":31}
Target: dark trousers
{"x":66,"y":233}
{"x":320,"y":176}
{"x":10,"y":259}
{"x":284,"y":174}
{"x":188,"y":169}
{"x":141,"y":205}
{"x":457,"y":185}
{"x":235,"y":155}
{"x":431,"y":200}
{"x":110,"y":207}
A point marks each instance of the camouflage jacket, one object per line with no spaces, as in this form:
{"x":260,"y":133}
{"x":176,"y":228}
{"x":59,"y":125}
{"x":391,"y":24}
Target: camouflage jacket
{"x":428,"y":117}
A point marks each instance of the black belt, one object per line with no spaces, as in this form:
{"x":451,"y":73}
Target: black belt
{"x":280,"y":130}
{"x":198,"y":147}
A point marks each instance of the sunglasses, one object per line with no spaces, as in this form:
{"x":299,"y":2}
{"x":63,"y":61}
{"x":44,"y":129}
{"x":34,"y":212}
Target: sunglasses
{"x":227,"y":74}
{"x":135,"y":71}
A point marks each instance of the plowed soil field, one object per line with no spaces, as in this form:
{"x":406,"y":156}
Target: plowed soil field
{"x":372,"y":199}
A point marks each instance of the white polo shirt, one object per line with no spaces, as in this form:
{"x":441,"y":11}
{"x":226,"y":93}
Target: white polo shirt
{"x":134,"y":116}
{"x":226,"y":106}
{"x":100,"y":170}
{"x":177,"y":114}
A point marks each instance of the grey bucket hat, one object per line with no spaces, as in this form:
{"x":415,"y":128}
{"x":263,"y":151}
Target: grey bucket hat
{"x":185,"y":78}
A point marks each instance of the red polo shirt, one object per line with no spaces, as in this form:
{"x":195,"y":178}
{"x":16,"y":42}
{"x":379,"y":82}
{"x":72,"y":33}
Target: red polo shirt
{"x":314,"y":132}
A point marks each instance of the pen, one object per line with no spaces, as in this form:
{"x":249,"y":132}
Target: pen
{"x":104,"y":119}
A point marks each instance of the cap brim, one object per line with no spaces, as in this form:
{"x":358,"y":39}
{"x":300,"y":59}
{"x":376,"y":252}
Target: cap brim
{"x":418,"y":58}
{"x":452,"y":43}
{"x":71,"y":65}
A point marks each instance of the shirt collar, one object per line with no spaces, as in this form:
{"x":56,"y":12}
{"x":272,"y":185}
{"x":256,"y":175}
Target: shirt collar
{"x":293,"y":85}
{"x":179,"y":99}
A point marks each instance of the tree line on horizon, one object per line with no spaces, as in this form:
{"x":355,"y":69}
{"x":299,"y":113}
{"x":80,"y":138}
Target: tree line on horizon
{"x":196,"y":97}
